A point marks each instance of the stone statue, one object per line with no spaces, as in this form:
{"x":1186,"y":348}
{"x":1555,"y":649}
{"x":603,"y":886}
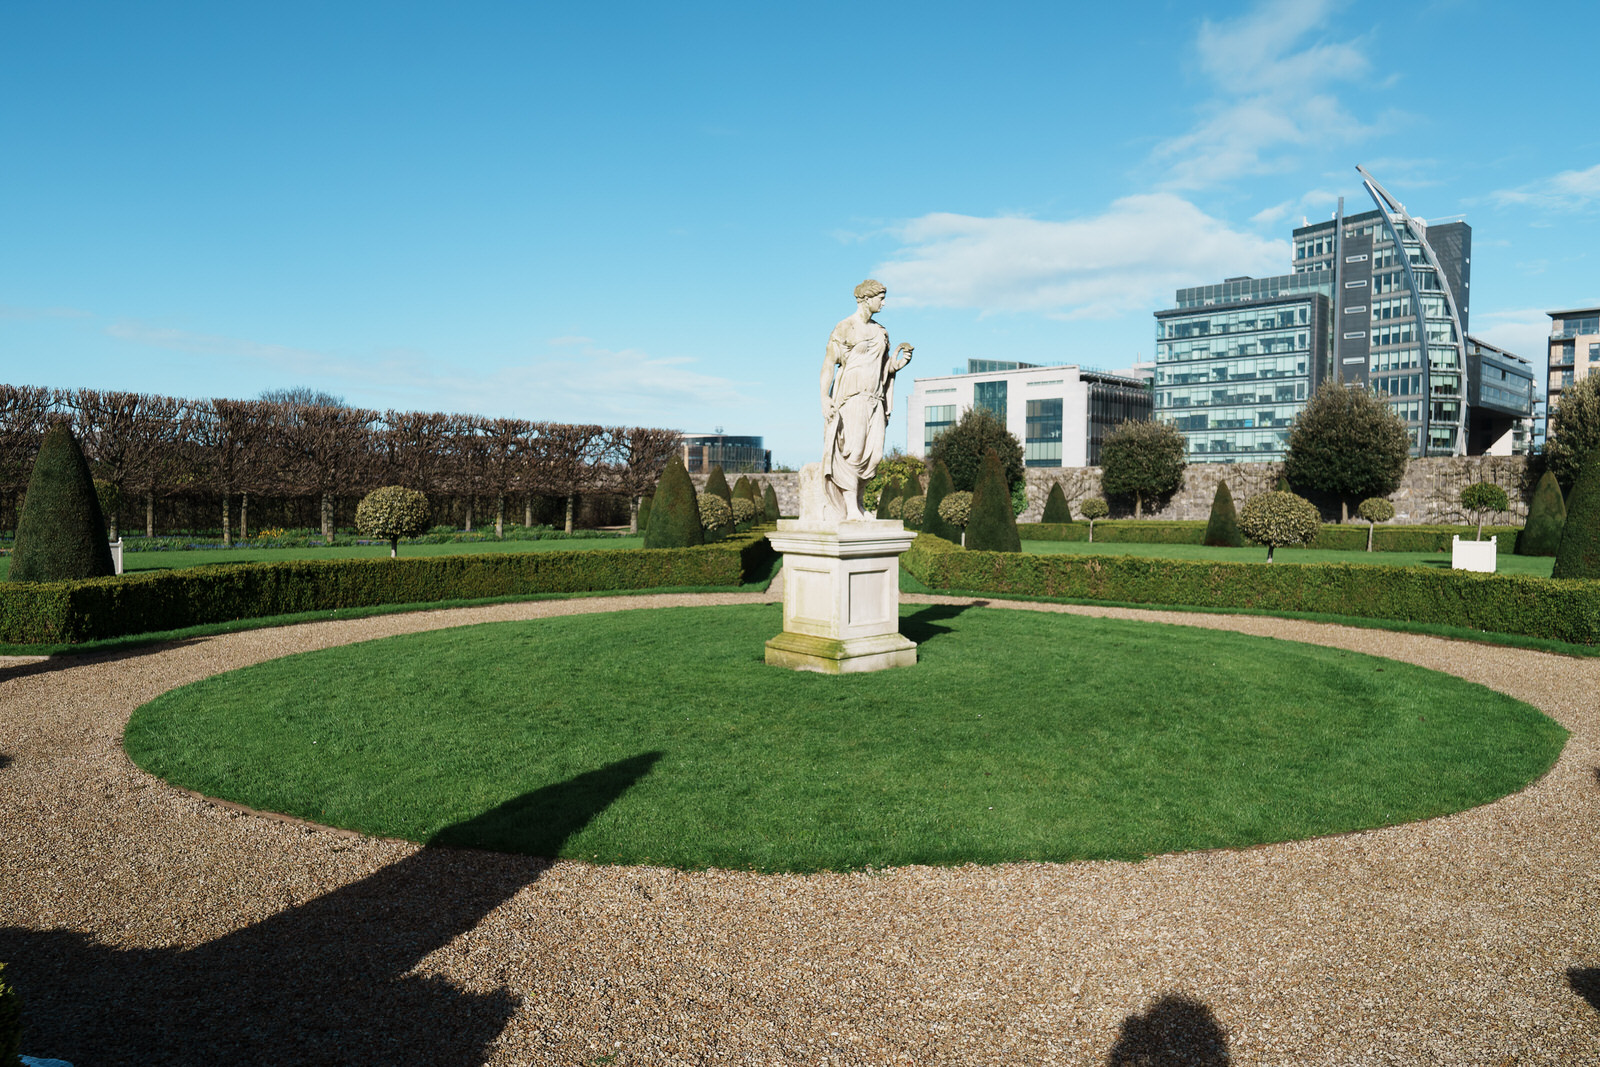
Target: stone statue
{"x":856,"y":403}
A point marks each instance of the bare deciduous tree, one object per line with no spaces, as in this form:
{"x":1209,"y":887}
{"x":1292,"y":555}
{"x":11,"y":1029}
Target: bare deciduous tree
{"x":636,"y":456}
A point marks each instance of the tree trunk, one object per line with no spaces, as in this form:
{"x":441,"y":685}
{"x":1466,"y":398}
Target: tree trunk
{"x":527,"y":510}
{"x":1269,"y":553}
{"x":1480,"y":526}
{"x":1138,"y":505}
{"x":469,"y":514}
{"x":150,"y":514}
{"x":394,"y":547}
{"x":572,"y":500}
{"x":227,"y":530}
{"x":327,"y":517}
{"x":633,"y":516}
{"x":112,"y":522}
{"x":1370,"y":525}
{"x":500,"y":518}
{"x":244,"y":516}
{"x":1091,"y":531}
{"x":1344,"y":511}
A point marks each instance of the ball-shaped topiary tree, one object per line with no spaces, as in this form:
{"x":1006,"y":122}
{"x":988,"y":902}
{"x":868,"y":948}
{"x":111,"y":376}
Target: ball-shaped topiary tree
{"x":1142,"y":459}
{"x":1547,"y":513}
{"x":1347,"y":441}
{"x":1481,"y":498}
{"x":897,"y":508}
{"x":911,"y":511}
{"x":392,"y":512}
{"x":61,"y":533}
{"x":1277,"y":519}
{"x":1375,"y":509}
{"x":1056,"y":508}
{"x":992,"y":526}
{"x":1578,"y":554}
{"x":956,"y":510}
{"x":1093,"y":508}
{"x":1222,"y":530}
{"x":715,"y":512}
{"x":674,"y":513}
{"x":961,"y":448}
{"x":744,"y":511}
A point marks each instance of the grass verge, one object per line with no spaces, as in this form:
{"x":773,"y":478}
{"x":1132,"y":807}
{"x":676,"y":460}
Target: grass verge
{"x":1016,"y":737}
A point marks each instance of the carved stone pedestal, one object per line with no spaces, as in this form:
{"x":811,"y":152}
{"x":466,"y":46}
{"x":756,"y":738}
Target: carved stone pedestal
{"x":841,"y":596}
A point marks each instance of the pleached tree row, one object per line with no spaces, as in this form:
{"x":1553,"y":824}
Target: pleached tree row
{"x":309,"y":455}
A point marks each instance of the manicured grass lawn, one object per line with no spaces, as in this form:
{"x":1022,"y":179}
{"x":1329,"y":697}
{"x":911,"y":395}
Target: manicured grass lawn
{"x":154,"y":561}
{"x":1537,"y":566}
{"x":660,"y":737}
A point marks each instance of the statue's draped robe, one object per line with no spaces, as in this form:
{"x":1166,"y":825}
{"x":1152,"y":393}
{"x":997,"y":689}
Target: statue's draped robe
{"x":863,"y":398}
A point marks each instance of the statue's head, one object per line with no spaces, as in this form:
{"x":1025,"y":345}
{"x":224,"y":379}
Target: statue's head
{"x":869,"y":289}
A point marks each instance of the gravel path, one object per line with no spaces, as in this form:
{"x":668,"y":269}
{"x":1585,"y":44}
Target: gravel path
{"x":147,"y":926}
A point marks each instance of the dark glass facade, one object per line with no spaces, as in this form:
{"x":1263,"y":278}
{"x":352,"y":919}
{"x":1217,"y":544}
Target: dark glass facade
{"x":1042,"y":448}
{"x":741,"y":455}
{"x":991,"y":395}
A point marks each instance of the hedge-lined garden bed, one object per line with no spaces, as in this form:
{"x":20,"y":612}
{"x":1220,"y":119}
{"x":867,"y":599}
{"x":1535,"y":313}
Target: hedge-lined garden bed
{"x":1349,"y":537}
{"x":1561,"y":610}
{"x":69,"y":612}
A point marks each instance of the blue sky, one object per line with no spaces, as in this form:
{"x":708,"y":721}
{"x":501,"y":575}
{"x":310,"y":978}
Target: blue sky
{"x":653,"y":214}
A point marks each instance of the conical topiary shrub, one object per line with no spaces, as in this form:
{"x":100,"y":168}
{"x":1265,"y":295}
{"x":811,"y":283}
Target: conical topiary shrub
{"x":1223,"y":529}
{"x":61,"y":533}
{"x":940,"y":486}
{"x":912,"y":487}
{"x":1578,"y":553}
{"x":675,"y":511}
{"x":742,"y":489}
{"x":891,"y":493}
{"x":1056,"y":508}
{"x":1283,"y":485}
{"x":644,"y":513}
{"x":993,"y":526}
{"x":717,"y":482}
{"x":1547,"y":513}
{"x":769,"y":501}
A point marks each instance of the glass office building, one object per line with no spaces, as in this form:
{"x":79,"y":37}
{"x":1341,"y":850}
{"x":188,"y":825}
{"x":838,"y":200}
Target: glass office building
{"x":742,"y":455}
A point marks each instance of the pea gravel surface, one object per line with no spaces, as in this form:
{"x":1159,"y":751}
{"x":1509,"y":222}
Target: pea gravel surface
{"x":144,"y":925}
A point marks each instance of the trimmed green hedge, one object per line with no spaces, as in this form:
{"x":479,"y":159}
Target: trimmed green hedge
{"x":1566,"y":610}
{"x":69,"y":612}
{"x":1350,"y":537}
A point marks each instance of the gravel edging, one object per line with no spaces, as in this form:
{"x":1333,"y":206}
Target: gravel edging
{"x":146,"y":925}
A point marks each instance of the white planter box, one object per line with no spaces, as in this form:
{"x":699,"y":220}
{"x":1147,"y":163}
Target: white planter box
{"x":1473,"y":555}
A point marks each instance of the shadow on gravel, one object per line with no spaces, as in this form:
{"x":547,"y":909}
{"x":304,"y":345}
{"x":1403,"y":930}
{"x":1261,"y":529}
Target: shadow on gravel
{"x":922,"y":626}
{"x":1177,"y":1031}
{"x":326,"y":981}
{"x":1585,"y":981}
{"x":76,"y":658}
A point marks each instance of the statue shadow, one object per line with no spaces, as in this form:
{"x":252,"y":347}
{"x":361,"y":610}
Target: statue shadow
{"x":64,"y":660}
{"x":1177,"y":1031}
{"x":923,"y":625}
{"x":5,"y":761}
{"x":327,"y":981}
{"x":1585,"y":981}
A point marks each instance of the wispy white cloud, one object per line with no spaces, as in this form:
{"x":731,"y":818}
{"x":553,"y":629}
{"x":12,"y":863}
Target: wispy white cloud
{"x":1522,"y":331}
{"x":1570,"y":190}
{"x":200,"y":344}
{"x":1126,"y":259}
{"x":16,"y":313}
{"x":1273,"y":94}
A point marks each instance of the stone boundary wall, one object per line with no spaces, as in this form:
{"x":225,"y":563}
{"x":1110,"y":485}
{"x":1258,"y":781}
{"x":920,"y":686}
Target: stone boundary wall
{"x":1429,"y":493}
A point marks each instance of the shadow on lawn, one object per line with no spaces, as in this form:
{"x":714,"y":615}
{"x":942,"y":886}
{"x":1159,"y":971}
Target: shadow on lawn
{"x":923,"y":626}
{"x":326,"y":981}
{"x":1177,"y":1031}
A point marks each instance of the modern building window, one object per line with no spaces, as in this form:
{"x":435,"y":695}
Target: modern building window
{"x":1355,"y":309}
{"x":991,"y":395}
{"x":1359,"y":283}
{"x":1353,"y":334}
{"x":1043,"y":445}
{"x":936,"y":419}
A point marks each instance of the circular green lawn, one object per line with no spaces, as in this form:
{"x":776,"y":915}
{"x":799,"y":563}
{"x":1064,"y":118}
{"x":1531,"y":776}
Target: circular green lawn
{"x":661,"y":737}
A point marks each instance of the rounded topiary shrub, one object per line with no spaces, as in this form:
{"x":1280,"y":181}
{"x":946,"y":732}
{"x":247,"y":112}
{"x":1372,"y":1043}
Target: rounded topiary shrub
{"x":956,"y":509}
{"x":1056,"y":508}
{"x":1375,"y":509}
{"x":1277,"y":519}
{"x":61,"y":533}
{"x":715,"y":512}
{"x":1547,"y":513}
{"x":392,"y":512}
{"x":897,"y":508}
{"x":1578,"y":552}
{"x":744,"y":510}
{"x":674,"y":513}
{"x":1222,"y":531}
{"x":911,"y":511}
